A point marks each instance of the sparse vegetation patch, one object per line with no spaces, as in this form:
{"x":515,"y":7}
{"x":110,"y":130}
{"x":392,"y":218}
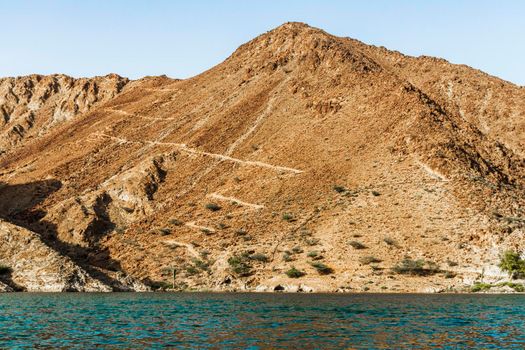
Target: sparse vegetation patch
{"x":240,"y":266}
{"x":390,"y":241}
{"x":287,"y":256}
{"x":366,"y":260}
{"x":164,"y":231}
{"x":339,"y":189}
{"x":288,"y":217}
{"x":416,"y":267}
{"x":213,"y":207}
{"x":484,"y":287}
{"x":322,"y":268}
{"x":357,"y":245}
{"x":259,"y":257}
{"x":312,"y":241}
{"x":176,"y":222}
{"x":201,"y":264}
{"x":297,"y":250}
{"x":312,"y":254}
{"x":294,"y":273}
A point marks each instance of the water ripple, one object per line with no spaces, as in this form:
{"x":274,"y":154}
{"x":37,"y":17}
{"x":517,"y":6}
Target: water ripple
{"x":261,"y":321}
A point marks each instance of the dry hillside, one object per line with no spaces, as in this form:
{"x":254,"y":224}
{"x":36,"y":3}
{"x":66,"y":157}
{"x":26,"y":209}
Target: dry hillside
{"x":304,"y":161}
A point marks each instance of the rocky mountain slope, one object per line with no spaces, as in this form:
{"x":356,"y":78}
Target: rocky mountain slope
{"x":304,"y":161}
{"x":30,"y":106}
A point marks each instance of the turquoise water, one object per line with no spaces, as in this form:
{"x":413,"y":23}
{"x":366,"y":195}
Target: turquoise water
{"x":261,"y":321}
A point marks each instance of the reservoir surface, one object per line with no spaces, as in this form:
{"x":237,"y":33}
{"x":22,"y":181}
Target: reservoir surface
{"x":261,"y":321}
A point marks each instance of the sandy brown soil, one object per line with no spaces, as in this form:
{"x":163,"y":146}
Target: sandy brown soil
{"x":300,"y":148}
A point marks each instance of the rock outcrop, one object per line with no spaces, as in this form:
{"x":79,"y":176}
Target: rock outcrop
{"x":35,"y":267}
{"x":5,"y":288}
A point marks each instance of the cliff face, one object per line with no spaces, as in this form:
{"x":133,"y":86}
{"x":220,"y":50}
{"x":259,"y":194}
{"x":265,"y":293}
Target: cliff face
{"x":302,"y":150}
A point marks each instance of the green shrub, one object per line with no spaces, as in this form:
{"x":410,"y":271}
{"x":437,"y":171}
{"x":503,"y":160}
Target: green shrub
{"x":520,"y":288}
{"x":365,"y":260}
{"x":200,"y":264}
{"x":240,"y":266}
{"x":513,"y":264}
{"x":312,"y":254}
{"x":483,"y":287}
{"x":164,"y":231}
{"x":357,"y":245}
{"x":375,"y":193}
{"x":176,"y":222}
{"x":339,"y":189}
{"x":297,"y":250}
{"x":241,"y":232}
{"x":206,"y":231}
{"x":288,"y":217}
{"x":287,"y":256}
{"x":390,"y":241}
{"x":294,"y":273}
{"x":191,"y":270}
{"x":312,"y":241}
{"x":415,"y":267}
{"x":480,"y":287}
{"x":322,"y":268}
{"x":213,"y":207}
{"x":259,"y":257}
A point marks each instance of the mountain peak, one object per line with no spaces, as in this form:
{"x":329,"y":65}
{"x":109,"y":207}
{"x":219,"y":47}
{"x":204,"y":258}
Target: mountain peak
{"x":293,"y":27}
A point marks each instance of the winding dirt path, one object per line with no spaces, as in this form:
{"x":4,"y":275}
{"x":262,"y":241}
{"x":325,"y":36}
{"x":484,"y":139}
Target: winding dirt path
{"x":184,"y":148}
{"x":235,"y":200}
{"x":192,"y":224}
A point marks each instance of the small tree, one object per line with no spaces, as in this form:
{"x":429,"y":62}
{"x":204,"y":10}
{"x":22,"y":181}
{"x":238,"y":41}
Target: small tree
{"x":513,"y":264}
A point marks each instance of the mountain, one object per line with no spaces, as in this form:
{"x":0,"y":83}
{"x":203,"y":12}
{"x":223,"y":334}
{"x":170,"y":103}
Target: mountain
{"x":302,"y":153}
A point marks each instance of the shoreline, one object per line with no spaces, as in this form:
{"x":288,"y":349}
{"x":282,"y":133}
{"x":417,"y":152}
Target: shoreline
{"x":269,"y":293}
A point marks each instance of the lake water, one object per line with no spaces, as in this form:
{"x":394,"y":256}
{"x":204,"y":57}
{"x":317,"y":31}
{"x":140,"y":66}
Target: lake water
{"x":261,"y":321}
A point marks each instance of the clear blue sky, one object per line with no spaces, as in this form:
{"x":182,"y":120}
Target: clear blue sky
{"x":183,"y":38}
